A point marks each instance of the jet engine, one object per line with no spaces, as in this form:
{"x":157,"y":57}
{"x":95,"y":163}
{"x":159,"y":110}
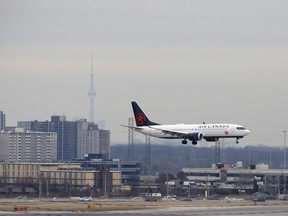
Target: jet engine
{"x":195,"y":136}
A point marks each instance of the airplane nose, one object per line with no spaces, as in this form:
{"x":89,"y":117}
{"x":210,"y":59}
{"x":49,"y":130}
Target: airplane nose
{"x":247,"y":132}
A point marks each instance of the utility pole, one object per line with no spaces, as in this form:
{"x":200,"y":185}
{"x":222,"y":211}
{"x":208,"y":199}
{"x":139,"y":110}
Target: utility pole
{"x":189,"y":189}
{"x":284,"y":165}
{"x":105,"y":184}
{"x":207,"y":185}
{"x":167,"y":184}
{"x":249,"y":156}
{"x":40,"y":188}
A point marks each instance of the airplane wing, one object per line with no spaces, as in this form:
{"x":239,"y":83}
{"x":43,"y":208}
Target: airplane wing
{"x":173,"y":132}
{"x":132,"y":127}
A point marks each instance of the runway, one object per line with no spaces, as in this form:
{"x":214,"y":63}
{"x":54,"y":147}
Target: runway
{"x":121,"y":207}
{"x":241,"y":210}
{"x":170,"y":211}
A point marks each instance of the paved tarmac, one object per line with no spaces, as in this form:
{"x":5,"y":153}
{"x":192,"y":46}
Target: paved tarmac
{"x":174,"y":211}
{"x":211,"y":211}
{"x":167,"y":208}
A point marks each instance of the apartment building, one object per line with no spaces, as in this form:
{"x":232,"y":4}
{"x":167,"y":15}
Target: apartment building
{"x":74,"y":138}
{"x":21,"y":146}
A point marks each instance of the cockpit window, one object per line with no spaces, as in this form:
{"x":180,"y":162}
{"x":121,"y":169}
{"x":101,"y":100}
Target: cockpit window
{"x":241,"y":128}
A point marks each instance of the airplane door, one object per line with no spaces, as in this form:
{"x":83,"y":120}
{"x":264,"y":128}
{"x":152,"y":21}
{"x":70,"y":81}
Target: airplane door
{"x":232,"y":131}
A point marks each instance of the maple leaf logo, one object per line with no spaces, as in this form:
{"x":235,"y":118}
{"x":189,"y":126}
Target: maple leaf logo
{"x":140,"y":118}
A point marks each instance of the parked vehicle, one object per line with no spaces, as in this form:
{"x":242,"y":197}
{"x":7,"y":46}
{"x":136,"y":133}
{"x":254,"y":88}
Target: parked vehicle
{"x":189,"y":198}
{"x":259,"y":199}
{"x":215,"y":197}
{"x":153,"y":197}
{"x":86,"y":199}
{"x":21,"y":197}
{"x":169,"y":198}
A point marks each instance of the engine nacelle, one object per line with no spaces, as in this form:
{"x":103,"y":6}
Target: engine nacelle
{"x":195,"y":136}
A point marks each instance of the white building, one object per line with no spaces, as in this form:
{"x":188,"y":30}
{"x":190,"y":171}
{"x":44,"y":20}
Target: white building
{"x":91,"y":140}
{"x":87,"y":139}
{"x":75,"y":138}
{"x":21,"y":146}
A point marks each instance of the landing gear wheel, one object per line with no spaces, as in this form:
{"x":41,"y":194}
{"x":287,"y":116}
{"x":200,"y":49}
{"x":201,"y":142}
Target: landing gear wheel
{"x":184,"y":142}
{"x":194,"y":142}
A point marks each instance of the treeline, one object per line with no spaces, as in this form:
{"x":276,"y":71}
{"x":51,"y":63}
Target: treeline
{"x":171,"y":159}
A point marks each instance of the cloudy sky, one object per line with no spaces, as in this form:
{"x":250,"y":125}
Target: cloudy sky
{"x":184,"y":61}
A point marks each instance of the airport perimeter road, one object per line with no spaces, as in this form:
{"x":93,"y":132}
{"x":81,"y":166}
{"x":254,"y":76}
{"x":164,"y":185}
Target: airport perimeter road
{"x":197,"y":211}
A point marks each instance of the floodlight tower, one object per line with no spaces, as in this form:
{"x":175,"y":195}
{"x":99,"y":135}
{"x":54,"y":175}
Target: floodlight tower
{"x":148,"y":155}
{"x":130,"y":139}
{"x":217,"y":152}
{"x":91,"y":94}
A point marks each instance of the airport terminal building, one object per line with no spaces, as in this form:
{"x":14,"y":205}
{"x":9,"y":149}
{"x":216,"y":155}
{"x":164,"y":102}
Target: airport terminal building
{"x":256,"y":178}
{"x":67,"y":179}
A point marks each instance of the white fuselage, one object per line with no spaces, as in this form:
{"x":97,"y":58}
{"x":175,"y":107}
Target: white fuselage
{"x":208,"y":130}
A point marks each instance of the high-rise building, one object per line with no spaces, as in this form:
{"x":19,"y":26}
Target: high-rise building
{"x":87,"y":138}
{"x":2,"y":121}
{"x":21,"y":146}
{"x":92,"y":140}
{"x":66,"y":134}
{"x":74,"y":138}
{"x":104,"y":143}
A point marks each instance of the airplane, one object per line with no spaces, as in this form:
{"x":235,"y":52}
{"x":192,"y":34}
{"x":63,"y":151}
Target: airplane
{"x":192,"y":132}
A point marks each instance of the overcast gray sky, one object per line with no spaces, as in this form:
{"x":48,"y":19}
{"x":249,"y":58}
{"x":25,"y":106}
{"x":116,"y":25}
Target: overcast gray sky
{"x":184,"y":61}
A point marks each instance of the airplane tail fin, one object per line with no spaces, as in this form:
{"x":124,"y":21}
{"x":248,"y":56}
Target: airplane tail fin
{"x":140,"y":118}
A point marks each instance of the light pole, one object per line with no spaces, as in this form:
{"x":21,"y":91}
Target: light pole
{"x":189,"y":191}
{"x":207,"y":185}
{"x":249,"y":156}
{"x":284,"y":149}
{"x":167,"y":185}
{"x":284,"y":165}
{"x":105,"y":184}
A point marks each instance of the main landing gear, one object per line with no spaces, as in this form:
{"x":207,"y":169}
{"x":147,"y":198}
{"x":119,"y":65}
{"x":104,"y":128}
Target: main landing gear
{"x":194,"y":142}
{"x":184,"y":142}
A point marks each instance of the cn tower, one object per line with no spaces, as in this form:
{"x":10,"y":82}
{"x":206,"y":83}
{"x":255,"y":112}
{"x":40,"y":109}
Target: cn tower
{"x":91,"y":94}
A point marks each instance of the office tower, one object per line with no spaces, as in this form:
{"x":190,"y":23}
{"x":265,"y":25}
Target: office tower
{"x":74,"y":138}
{"x":66,"y":134}
{"x":104,"y":143}
{"x":2,"y":121}
{"x":87,"y":138}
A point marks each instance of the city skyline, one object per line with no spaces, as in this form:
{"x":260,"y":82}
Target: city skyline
{"x":182,"y":61}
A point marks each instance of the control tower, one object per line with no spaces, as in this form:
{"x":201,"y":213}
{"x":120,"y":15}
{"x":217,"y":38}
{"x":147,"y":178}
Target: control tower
{"x":91,"y":94}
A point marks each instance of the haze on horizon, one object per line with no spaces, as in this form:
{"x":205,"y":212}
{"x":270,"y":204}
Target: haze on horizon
{"x":183,"y":61}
